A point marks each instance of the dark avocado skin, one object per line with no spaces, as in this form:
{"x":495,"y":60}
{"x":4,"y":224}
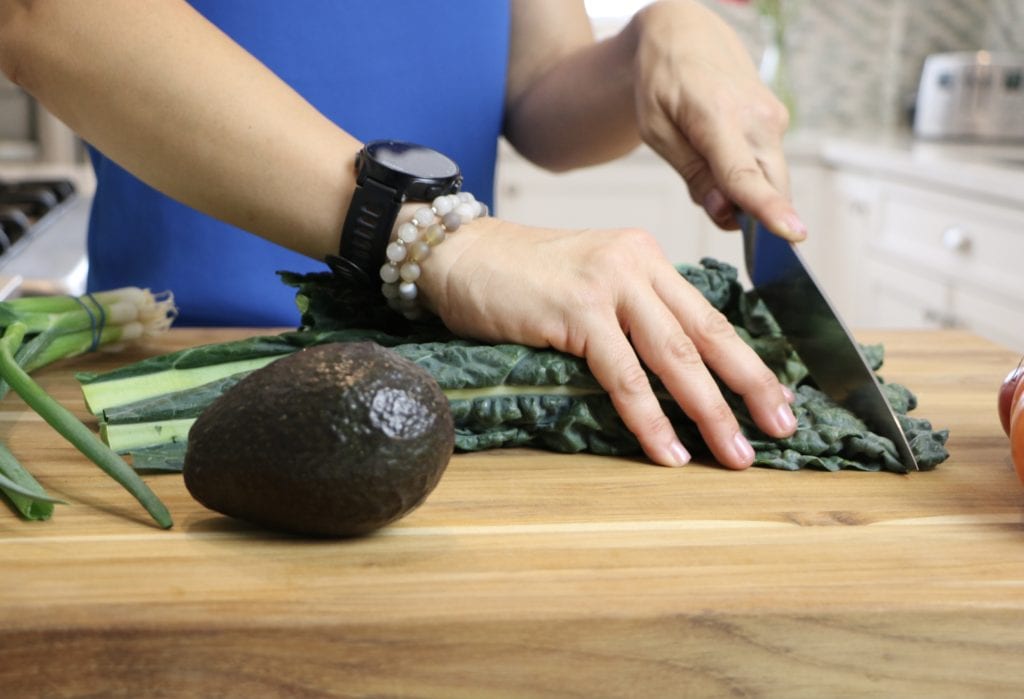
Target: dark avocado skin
{"x":333,"y":440}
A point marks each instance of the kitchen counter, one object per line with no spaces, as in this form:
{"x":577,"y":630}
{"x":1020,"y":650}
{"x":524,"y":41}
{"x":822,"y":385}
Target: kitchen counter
{"x":528,"y":573}
{"x":987,"y":172}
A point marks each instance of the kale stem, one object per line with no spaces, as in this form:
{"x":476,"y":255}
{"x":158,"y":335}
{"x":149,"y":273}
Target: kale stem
{"x":73,"y":429}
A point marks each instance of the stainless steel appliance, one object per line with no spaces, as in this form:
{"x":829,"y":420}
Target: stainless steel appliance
{"x":43,"y":224}
{"x":976,"y":95}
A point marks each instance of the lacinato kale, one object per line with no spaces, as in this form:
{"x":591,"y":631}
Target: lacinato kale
{"x":510,"y":395}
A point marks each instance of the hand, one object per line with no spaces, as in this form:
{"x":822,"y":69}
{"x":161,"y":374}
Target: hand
{"x":701,"y":105}
{"x":611,"y":297}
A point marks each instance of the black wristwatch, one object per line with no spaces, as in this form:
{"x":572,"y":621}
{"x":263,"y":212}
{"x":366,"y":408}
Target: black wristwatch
{"x":388,"y":174}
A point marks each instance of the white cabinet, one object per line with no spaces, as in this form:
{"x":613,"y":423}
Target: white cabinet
{"x":932,"y":257}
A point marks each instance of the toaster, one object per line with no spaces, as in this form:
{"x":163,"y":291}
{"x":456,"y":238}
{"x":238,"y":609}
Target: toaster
{"x":972,"y":95}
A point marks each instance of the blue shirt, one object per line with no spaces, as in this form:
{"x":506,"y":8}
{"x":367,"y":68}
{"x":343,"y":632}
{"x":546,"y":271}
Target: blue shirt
{"x":430,"y":72}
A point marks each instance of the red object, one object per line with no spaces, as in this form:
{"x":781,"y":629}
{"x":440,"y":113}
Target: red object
{"x":1017,"y":437}
{"x":1007,"y":396}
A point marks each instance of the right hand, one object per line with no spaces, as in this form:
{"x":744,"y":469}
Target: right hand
{"x":612,"y":298}
{"x":701,"y":105}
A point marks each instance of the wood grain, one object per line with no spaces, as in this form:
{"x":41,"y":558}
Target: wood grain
{"x":535,"y":574}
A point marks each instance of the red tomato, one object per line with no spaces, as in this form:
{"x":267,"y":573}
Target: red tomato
{"x":1017,"y":435}
{"x":1008,"y":393}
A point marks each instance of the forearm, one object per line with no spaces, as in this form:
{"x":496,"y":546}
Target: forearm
{"x":169,"y":97}
{"x":580,"y":111}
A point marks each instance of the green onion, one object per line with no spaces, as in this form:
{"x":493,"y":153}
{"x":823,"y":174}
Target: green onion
{"x":72,"y":429}
{"x":40,"y":330}
{"x":24,"y":491}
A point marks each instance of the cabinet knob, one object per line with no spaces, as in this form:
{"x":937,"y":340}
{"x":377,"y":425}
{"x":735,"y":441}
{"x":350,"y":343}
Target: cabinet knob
{"x":956,"y":239}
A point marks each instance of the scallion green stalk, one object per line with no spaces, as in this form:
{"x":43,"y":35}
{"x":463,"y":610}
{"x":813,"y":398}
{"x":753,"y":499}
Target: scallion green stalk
{"x":71,"y":428}
{"x":24,"y":491}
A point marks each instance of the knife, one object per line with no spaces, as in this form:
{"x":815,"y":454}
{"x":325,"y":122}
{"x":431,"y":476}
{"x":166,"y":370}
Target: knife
{"x":817,"y":333}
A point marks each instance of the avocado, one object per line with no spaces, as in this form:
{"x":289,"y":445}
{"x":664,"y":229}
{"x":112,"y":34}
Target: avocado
{"x":333,"y":440}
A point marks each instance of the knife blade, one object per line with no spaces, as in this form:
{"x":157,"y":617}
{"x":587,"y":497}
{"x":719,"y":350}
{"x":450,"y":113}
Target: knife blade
{"x":818,"y":334}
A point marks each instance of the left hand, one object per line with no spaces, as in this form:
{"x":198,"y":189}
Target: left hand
{"x":702,"y":106}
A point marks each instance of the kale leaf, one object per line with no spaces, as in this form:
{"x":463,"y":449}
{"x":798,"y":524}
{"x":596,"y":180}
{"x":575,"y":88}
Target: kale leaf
{"x":507,"y":395}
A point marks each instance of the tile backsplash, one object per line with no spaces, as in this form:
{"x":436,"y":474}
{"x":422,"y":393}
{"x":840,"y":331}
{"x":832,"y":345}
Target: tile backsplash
{"x":856,"y":65}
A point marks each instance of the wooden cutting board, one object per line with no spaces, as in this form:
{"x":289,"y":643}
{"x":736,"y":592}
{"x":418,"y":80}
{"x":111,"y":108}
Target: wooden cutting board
{"x":534,"y":574}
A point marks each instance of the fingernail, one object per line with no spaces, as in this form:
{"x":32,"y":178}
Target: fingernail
{"x":680,"y":456}
{"x":744,"y":452}
{"x":785,"y":420}
{"x":791,"y":227}
{"x":788,"y":393}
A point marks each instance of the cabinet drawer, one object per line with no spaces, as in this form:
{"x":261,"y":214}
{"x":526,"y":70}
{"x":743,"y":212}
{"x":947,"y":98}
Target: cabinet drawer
{"x":955,"y":237}
{"x":893,"y":297}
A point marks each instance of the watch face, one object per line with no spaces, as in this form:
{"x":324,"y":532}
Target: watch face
{"x":411,"y":159}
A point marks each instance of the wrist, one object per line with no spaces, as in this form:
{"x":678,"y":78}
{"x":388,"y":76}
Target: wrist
{"x":662,"y":20}
{"x":408,"y":274}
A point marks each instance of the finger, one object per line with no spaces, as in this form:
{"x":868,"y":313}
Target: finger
{"x":666,"y":140}
{"x":721,"y":210}
{"x":743,"y":180}
{"x":670,"y":353}
{"x":772,"y":162}
{"x":731,"y":359}
{"x":615,"y":366}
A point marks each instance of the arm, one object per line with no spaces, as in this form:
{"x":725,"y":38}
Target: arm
{"x":172,"y":99}
{"x":676,"y":77}
{"x":569,"y":99}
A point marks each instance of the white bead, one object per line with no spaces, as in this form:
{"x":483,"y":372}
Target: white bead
{"x":466,"y":211}
{"x":396,"y":252}
{"x":389,"y":273}
{"x":424,"y":216}
{"x":465,"y":197}
{"x":443,"y":205}
{"x":407,"y":291}
{"x":390,"y":291}
{"x":408,"y":233}
{"x":395,"y":304}
{"x":409,"y":272}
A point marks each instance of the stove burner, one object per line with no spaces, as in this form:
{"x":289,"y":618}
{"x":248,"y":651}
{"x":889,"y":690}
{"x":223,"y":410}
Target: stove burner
{"x":25,"y":203}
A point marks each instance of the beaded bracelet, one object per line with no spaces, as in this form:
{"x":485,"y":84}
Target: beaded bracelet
{"x":412,"y":245}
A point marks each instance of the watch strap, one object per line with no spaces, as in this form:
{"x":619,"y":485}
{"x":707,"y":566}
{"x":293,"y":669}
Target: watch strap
{"x":366,"y":233}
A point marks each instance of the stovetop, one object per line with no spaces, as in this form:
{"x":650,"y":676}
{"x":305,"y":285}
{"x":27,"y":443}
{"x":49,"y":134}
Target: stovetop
{"x":43,"y":222}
